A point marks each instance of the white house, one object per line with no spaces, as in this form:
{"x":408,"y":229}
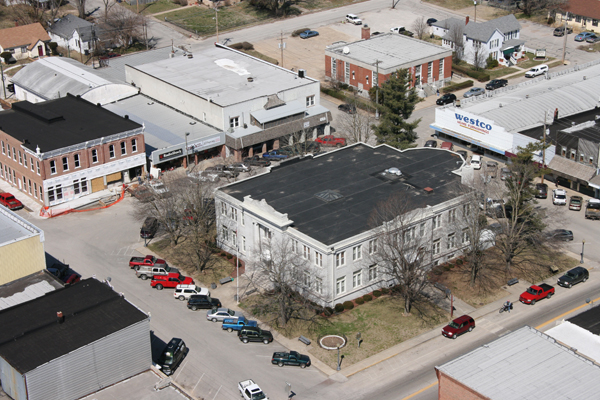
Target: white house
{"x":498,"y":38}
{"x":323,"y":206}
{"x":27,"y":41}
{"x":74,"y":33}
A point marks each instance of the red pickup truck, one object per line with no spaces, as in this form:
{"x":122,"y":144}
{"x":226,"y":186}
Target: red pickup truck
{"x":9,"y":201}
{"x":330,"y":140}
{"x":148,"y":261}
{"x":535,"y":293}
{"x":170,"y":281}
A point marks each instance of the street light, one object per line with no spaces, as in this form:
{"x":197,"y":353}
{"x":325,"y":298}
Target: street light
{"x":475,"y":4}
{"x":582,"y":246}
{"x":187,"y":159}
{"x":339,"y":363}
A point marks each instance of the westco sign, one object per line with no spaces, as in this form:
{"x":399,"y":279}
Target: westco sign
{"x":473,"y":124}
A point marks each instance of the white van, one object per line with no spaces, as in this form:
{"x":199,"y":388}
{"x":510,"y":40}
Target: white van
{"x":476,"y":161}
{"x":537,"y":70}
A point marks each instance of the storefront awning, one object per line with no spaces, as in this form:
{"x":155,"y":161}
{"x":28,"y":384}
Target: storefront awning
{"x":511,"y":44}
{"x":467,"y":139}
{"x":572,"y":169}
{"x":273,"y":114}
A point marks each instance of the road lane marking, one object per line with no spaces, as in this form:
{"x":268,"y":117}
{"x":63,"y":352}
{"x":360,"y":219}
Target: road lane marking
{"x":194,"y":389}
{"x":565,"y":313}
{"x":420,"y":391}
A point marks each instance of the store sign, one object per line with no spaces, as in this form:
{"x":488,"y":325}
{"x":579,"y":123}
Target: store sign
{"x":170,"y":154}
{"x":198,"y":146}
{"x":473,"y":123}
{"x":540,"y":53}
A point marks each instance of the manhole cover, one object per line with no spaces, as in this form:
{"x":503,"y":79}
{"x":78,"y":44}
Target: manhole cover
{"x":332,"y":342}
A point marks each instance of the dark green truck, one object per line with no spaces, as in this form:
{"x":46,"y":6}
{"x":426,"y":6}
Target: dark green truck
{"x":291,"y":358}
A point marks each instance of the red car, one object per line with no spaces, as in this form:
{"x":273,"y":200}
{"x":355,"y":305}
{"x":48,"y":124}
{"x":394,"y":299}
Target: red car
{"x":170,"y":281}
{"x":330,"y":140}
{"x":9,"y":201}
{"x":459,"y":326}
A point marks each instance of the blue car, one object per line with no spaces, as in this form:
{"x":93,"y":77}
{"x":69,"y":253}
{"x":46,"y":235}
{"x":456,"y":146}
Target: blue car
{"x":308,"y":34}
{"x":231,"y":324}
{"x":582,"y":37}
{"x":275,"y":155}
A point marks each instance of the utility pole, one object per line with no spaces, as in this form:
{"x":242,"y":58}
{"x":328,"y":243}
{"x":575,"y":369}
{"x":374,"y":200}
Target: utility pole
{"x":544,"y":146}
{"x":565,"y":41}
{"x":3,"y":84}
{"x":217,"y":20}
{"x":281,"y":46}
{"x":475,"y":3}
{"x":377,"y":89}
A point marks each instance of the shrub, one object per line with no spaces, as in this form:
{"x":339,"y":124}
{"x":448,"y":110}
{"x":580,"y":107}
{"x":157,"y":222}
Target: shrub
{"x":334,"y":93}
{"x":299,"y":31}
{"x":348,"y":305}
{"x":459,"y":261}
{"x":242,"y":46}
{"x":54,"y":48}
{"x":360,"y":301}
{"x":367,"y":297}
{"x":481,"y":76}
{"x":385,"y":291}
{"x":6,"y":55}
{"x":458,"y":86}
{"x":491,"y":63}
{"x":550,"y":20}
{"x":376,"y":293}
{"x":328,"y":311}
{"x":229,"y":256}
{"x":339,"y":307}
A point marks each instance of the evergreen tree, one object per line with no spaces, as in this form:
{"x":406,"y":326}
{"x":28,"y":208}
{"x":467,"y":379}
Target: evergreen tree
{"x":397,"y":103}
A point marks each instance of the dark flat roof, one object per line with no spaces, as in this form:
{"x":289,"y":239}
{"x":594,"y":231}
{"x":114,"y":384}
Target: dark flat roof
{"x":589,"y":320}
{"x":563,"y":123}
{"x":59,"y":123}
{"x":31,"y":335}
{"x":355,"y":173}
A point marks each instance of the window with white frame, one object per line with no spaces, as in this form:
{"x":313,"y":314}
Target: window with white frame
{"x":437,"y":221}
{"x":318,"y":259}
{"x":465,"y":236}
{"x":233,"y":213}
{"x":25,"y":160}
{"x":25,"y":184}
{"x":234,"y":237}
{"x":76,"y":160}
{"x":347,"y":71}
{"x":65,"y":163}
{"x":294,"y":246}
{"x":14,"y":154}
{"x":80,"y":185}
{"x":430,"y":69}
{"x":243,"y":219}
{"x":333,"y":68}
{"x":306,"y":252}
{"x":451,"y":243}
{"x":591,"y":160}
{"x":367,"y":79}
{"x":372,"y":246}
{"x":306,"y":279}
{"x":372,"y":273}
{"x":133,"y":145}
{"x":357,"y":279}
{"x":3,"y":150}
{"x":357,"y":252}
{"x":223,"y":208}
{"x":340,"y":285}
{"x":340,"y":259}
{"x":318,"y":285}
{"x":452,"y":215}
{"x":24,"y":49}
{"x":243,"y":243}
{"x":94,"y":156}
{"x":31,"y":163}
{"x":1,"y":171}
{"x":234,"y":122}
{"x":436,"y":247}
{"x":111,"y":151}
{"x":54,"y":193}
{"x":563,"y":151}
{"x":37,"y":165}
{"x":409,"y":234}
{"x":573,"y":153}
{"x":35,"y":190}
{"x":310,"y":101}
{"x":224,"y":233}
{"x":123,"y":148}
{"x":52,"y":167}
{"x":264,"y":232}
{"x":20,"y":158}
{"x":441,"y":70}
{"x":581,"y":157}
{"x":466,"y":209}
{"x":375,"y":79}
{"x":422,"y":229}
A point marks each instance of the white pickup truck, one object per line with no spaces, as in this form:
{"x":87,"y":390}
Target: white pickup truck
{"x":251,"y":391}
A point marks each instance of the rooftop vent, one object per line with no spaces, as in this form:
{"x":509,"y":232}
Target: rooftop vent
{"x":428,"y":190}
{"x":301,"y":73}
{"x":346,"y":50}
{"x":526,"y":96}
{"x":250,"y":79}
{"x":328,"y":196}
{"x":60,"y":317}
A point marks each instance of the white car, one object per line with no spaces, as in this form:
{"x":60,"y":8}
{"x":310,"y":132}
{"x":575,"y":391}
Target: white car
{"x":476,"y":161}
{"x":183,"y":292}
{"x":559,"y":197}
{"x":219,"y":314}
{"x":537,"y":70}
{"x":158,"y":187}
{"x":397,"y":29}
{"x":353,"y":19}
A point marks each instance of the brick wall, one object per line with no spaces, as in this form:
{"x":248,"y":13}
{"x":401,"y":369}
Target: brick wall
{"x":451,"y":389}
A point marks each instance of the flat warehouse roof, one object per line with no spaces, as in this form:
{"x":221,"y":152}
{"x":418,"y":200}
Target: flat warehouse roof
{"x":223,"y":75}
{"x":354,"y":174}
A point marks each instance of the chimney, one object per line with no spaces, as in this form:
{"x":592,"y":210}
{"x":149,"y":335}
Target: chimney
{"x":60,"y":317}
{"x":365,"y":32}
{"x":467,"y":20}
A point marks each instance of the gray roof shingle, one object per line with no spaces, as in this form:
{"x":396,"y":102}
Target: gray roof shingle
{"x":65,"y":27}
{"x":483,"y":31}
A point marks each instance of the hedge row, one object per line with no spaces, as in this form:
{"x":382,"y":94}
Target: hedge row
{"x":457,"y":86}
{"x":481,"y":76}
{"x":341,"y":96}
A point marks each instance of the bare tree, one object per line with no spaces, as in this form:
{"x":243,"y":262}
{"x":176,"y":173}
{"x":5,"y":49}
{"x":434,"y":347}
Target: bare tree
{"x":108,"y":4}
{"x":80,"y":4}
{"x":287,"y":281}
{"x":480,"y":55}
{"x":531,"y":6}
{"x":456,"y":36}
{"x":357,"y":125}
{"x":420,"y":27}
{"x":121,"y":27}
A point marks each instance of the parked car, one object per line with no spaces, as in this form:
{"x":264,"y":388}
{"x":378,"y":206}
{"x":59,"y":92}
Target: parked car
{"x":505,"y":173}
{"x":476,"y":161}
{"x":239,"y":167}
{"x":353,"y":19}
{"x":308,"y":34}
{"x":251,"y":334}
{"x":431,"y":143}
{"x":575,"y":203}
{"x":198,"y":301}
{"x":9,"y":201}
{"x":431,"y":21}
{"x":235,"y":324}
{"x":402,"y":31}
{"x":171,"y":280}
{"x":147,"y":272}
{"x":491,"y":169}
{"x":347,"y":108}
{"x":219,"y":314}
{"x":559,"y":197}
{"x":593,"y":39}
{"x":560,"y":31}
{"x":459,"y":326}
{"x":149,"y":228}
{"x":276,"y":155}
{"x":330,"y":140}
{"x":474,"y":91}
{"x":183,"y":292}
{"x":573,"y":277}
{"x":172,"y":356}
{"x":496,"y":83}
{"x":447,"y":146}
{"x":205,"y":176}
{"x":221,"y":170}
{"x":257,"y":161}
{"x":159,"y":189}
{"x":535,"y":293}
{"x":537,"y":70}
{"x":541,"y":190}
{"x":563,"y":235}
{"x":446,"y":99}
{"x":592,"y":209}
{"x":582,"y":37}
{"x":291,"y":358}
{"x":462,"y":153}
{"x":148,"y":261}
{"x":251,"y":391}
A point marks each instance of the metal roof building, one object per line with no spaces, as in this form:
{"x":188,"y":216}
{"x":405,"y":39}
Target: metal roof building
{"x":524,"y":364}
{"x":28,"y":288}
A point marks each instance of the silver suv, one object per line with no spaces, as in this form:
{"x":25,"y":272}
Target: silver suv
{"x":145,"y":272}
{"x":183,"y":292}
{"x":353,"y":19}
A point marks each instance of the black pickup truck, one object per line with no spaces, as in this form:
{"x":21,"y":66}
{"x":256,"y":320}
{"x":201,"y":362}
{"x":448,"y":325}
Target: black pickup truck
{"x":291,"y":358}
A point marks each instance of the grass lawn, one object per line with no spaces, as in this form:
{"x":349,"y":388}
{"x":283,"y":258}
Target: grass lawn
{"x":325,"y":4}
{"x":152,"y":8}
{"x":500,"y":72}
{"x":452,"y":4}
{"x":532,"y":62}
{"x":380,"y":322}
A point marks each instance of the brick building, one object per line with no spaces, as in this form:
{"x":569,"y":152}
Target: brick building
{"x":370,"y":62}
{"x":59,"y":150}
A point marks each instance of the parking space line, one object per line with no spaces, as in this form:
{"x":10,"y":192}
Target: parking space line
{"x":197,"y":383}
{"x":181,"y":368}
{"x":217,"y":392}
